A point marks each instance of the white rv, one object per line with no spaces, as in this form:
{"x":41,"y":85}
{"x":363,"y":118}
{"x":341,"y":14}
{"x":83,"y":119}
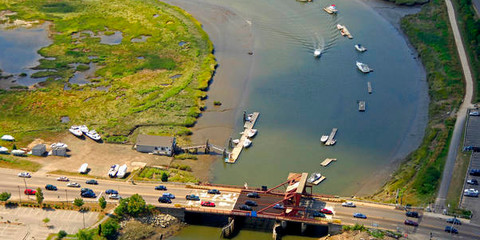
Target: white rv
{"x":122,"y":171}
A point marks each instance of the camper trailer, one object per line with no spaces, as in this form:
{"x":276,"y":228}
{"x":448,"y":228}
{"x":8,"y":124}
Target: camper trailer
{"x":83,"y":169}
{"x":122,"y":171}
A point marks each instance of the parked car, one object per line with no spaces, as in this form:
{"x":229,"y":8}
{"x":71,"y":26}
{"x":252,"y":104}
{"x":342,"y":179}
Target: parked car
{"x":472,"y":181}
{"x":412,"y":214}
{"x":29,"y":192}
{"x":326,"y":211}
{"x":470,"y":192}
{"x":161,"y":187}
{"x":451,"y":229}
{"x":169,"y":195}
{"x":474,"y":113}
{"x":51,"y":187}
{"x":251,"y":203}
{"x":115,"y":196}
{"x":85,"y":190}
{"x":253,"y":195}
{"x":88,"y":194}
{"x":213,"y":191}
{"x":245,"y":208}
{"x":348,"y":204}
{"x":318,"y":214}
{"x":92,"y":181}
{"x":164,"y":200}
{"x":63,"y":179}
{"x":111,"y":191}
{"x":73,"y":184}
{"x":411,"y":223}
{"x":279,"y":206}
{"x":192,"y":197}
{"x":359,"y":215}
{"x":475,"y":172}
{"x":207,"y":204}
{"x":25,"y":175}
{"x":454,"y":221}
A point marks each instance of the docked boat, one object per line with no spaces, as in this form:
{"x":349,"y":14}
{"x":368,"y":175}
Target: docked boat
{"x":340,"y":27}
{"x":3,"y":150}
{"x":251,"y":132}
{"x":247,"y":143}
{"x":8,"y":138}
{"x":75,"y":130}
{"x":18,"y":152}
{"x":332,"y":9}
{"x":113,"y":170}
{"x":93,"y":135}
{"x":249,"y":117}
{"x":360,"y":48}
{"x":236,"y":141}
{"x":314,"y":177}
{"x":317,"y":52}
{"x":83,"y":128}
{"x":363,"y":67}
{"x":324,"y":138}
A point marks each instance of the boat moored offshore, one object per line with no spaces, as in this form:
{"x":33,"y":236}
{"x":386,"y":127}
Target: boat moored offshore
{"x":360,"y":48}
{"x":363,"y":67}
{"x":332,"y":9}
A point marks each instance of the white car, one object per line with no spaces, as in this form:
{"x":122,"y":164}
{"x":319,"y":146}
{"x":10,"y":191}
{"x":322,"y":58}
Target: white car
{"x":73,"y":184}
{"x":115,"y":196}
{"x":63,"y":179}
{"x":348,"y":204}
{"x":475,"y":113}
{"x":25,"y":175}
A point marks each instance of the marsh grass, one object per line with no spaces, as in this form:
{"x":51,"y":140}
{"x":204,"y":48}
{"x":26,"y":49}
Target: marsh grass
{"x":16,"y":163}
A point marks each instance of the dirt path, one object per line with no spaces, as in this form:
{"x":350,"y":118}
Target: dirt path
{"x":461,"y":114}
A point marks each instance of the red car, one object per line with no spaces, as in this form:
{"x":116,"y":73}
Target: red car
{"x":30,"y":192}
{"x":326,"y":211}
{"x":208,"y":204}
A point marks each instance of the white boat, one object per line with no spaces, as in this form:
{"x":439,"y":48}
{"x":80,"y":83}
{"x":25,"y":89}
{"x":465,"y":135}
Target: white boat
{"x":113,"y":170}
{"x":75,"y":130}
{"x":363,"y":67}
{"x":8,"y":138}
{"x":18,"y":152}
{"x":83,"y":128}
{"x":360,"y":48}
{"x":314,"y":177}
{"x":249,"y":117}
{"x":317,"y":52}
{"x":324,"y":138}
{"x":332,"y":9}
{"x":236,"y":141}
{"x":251,"y":132}
{"x":93,"y":135}
{"x":247,"y":143}
{"x":340,"y":27}
{"x":3,"y":149}
{"x":59,"y":145}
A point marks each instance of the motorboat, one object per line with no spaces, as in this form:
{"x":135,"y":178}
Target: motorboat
{"x":363,"y":67}
{"x":18,"y":152}
{"x":59,"y":145}
{"x":317,"y":52}
{"x":93,"y":135}
{"x":332,"y":9}
{"x":251,"y":132}
{"x":360,"y":48}
{"x":8,"y":138}
{"x":113,"y":170}
{"x":249,"y":117}
{"x":3,"y":149}
{"x":314,"y":177}
{"x":340,"y":27}
{"x":324,"y":138}
{"x":236,"y":141}
{"x":247,"y":143}
{"x":83,"y":128}
{"x":75,"y":130}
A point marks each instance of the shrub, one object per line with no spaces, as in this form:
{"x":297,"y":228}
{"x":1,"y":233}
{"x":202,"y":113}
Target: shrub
{"x":61,"y":234}
{"x":164,"y":177}
{"x":110,"y":228}
{"x":4,"y":196}
{"x":78,"y":202}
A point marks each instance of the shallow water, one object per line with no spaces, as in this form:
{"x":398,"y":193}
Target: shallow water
{"x":113,"y":39}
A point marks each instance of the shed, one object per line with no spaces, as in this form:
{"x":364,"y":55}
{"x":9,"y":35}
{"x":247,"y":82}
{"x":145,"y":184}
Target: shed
{"x":59,"y":151}
{"x":39,"y":150}
{"x":162,"y":145}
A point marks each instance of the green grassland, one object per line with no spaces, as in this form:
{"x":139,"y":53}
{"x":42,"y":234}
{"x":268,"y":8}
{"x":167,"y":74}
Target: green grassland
{"x":408,"y":2}
{"x":141,"y":92}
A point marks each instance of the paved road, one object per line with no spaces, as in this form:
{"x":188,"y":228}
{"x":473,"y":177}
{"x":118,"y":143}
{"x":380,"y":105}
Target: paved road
{"x":461,"y":114}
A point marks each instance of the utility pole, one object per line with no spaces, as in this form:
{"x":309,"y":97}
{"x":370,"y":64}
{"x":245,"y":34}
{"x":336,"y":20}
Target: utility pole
{"x":19,"y":195}
{"x":66,"y":196}
{"x":25,"y":181}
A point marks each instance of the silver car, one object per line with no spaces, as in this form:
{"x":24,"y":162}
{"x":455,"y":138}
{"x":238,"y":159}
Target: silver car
{"x":73,"y":184}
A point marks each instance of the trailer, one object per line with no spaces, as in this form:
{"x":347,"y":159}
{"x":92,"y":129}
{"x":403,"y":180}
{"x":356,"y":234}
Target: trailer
{"x":113,"y":170}
{"x":122,"y":171}
{"x":83,"y":169}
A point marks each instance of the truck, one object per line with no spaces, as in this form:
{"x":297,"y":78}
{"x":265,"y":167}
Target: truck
{"x":122,"y":171}
{"x":83,"y":169}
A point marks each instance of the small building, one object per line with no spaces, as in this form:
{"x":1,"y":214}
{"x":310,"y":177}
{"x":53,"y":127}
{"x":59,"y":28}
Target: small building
{"x":59,"y":151}
{"x":162,"y":145}
{"x":39,"y":150}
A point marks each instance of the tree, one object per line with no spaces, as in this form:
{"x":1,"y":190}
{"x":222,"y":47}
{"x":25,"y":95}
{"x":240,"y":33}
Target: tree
{"x":102,"y":202}
{"x":61,"y":234}
{"x":99,"y":229}
{"x":84,"y":234}
{"x":110,"y":228}
{"x":164,"y":177}
{"x":4,"y":196}
{"x":39,"y":196}
{"x":78,"y":202}
{"x":14,"y":147}
{"x":46,"y":221}
{"x":132,"y":206}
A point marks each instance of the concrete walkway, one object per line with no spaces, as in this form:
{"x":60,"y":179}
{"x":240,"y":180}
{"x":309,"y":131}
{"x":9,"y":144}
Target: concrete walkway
{"x":461,"y":114}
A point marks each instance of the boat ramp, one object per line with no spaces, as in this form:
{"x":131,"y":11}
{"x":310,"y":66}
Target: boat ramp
{"x":328,"y":161}
{"x":249,"y":124}
{"x":331,"y":138}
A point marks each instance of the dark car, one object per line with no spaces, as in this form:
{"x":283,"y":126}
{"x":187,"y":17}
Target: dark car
{"x":411,"y":223}
{"x":169,"y":195}
{"x":451,"y":229}
{"x":279,"y":206}
{"x":161,"y":187}
{"x":359,"y":215}
{"x":251,"y":203}
{"x":472,"y":181}
{"x":92,"y":181}
{"x":111,"y":191}
{"x":253,"y":195}
{"x":213,"y":191}
{"x":326,"y":211}
{"x":51,"y":187}
{"x":318,"y":214}
{"x":88,"y":194}
{"x":164,"y":200}
{"x":246,"y":208}
{"x":192,"y":197}
{"x":475,"y":172}
{"x":454,"y":221}
{"x":85,"y":190}
{"x":412,"y":214}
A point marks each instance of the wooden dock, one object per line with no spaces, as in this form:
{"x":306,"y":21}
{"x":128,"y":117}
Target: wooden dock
{"x":369,"y":87}
{"x":327,"y":161}
{"x":361,"y":106}
{"x":319,"y":180}
{"x":331,"y":139}
{"x":233,"y":156}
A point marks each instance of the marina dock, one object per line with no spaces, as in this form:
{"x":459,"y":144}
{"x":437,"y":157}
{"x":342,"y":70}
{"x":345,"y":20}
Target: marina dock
{"x":319,"y":180}
{"x":327,"y":161}
{"x":249,"y":124}
{"x":361,"y":106}
{"x":369,"y":87}
{"x":331,"y":138}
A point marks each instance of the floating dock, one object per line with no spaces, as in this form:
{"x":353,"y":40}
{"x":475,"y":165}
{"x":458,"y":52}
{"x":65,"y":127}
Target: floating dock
{"x":239,"y":147}
{"x":331,"y":139}
{"x":319,"y":180}
{"x":327,"y":161}
{"x":361,"y":106}
{"x":369,"y":87}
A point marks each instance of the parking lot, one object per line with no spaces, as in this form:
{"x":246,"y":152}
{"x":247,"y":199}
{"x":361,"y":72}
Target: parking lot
{"x":472,"y":132}
{"x":472,"y":203}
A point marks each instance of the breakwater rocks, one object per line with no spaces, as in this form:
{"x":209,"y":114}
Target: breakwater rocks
{"x":158,"y":220}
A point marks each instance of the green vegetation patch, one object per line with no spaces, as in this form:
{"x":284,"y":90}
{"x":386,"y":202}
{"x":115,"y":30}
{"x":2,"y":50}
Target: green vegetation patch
{"x":140,"y":94}
{"x":174,"y":175}
{"x":16,"y":163}
{"x":408,"y":2}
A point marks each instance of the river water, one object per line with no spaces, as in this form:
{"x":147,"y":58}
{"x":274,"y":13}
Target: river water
{"x":301,"y":98}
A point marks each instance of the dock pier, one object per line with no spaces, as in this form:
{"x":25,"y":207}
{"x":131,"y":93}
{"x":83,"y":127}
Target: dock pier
{"x":331,"y":138}
{"x":327,"y":161}
{"x":249,"y":124}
